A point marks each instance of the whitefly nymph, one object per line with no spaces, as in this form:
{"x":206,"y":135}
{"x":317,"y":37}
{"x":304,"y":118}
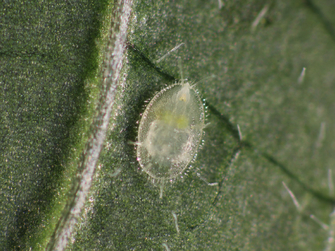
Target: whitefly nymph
{"x":170,"y":132}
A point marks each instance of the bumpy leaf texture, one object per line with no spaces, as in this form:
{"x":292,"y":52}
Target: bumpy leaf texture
{"x":266,"y":72}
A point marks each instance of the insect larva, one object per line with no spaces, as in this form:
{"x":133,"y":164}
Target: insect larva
{"x":170,"y":131}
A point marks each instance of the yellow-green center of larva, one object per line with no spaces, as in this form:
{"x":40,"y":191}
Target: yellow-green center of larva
{"x":177,"y":121}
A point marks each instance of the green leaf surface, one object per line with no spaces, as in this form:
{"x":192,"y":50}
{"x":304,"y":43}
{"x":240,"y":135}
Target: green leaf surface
{"x":49,"y":60}
{"x":270,"y":124}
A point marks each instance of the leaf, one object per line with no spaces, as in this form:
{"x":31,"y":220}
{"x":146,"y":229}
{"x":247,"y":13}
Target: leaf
{"x":51,"y":81}
{"x":270,"y":122}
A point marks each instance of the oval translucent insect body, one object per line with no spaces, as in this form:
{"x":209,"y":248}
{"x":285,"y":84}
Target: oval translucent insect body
{"x":170,"y":131}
